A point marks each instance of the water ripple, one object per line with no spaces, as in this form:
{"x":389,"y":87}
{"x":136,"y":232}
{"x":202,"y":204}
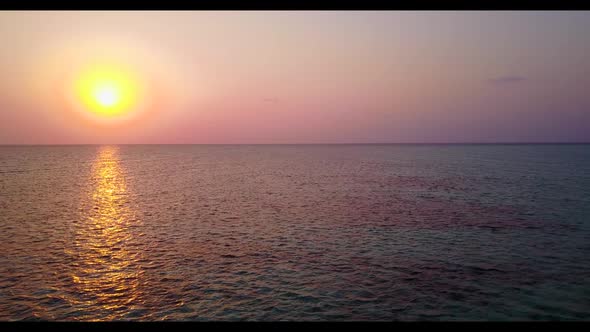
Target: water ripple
{"x":294,"y":233}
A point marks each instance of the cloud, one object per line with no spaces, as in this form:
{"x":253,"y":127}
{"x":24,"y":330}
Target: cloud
{"x":503,"y":80}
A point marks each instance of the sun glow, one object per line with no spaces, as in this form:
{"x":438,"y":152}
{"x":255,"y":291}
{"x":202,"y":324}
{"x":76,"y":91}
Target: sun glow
{"x":108,"y":92}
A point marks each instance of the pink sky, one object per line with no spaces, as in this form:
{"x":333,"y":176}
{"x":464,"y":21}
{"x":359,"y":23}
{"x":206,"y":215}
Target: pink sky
{"x":305,"y":77}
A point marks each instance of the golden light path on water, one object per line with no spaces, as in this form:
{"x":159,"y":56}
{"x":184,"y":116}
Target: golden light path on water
{"x":106,"y":273}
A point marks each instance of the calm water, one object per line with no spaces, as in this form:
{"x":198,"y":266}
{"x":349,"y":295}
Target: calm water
{"x":341,"y":232}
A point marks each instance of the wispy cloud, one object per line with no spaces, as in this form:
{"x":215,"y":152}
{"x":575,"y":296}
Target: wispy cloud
{"x":271,"y":100}
{"x":504,"y":80}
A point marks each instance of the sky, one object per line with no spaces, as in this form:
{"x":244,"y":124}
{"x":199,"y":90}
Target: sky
{"x":273,"y":77}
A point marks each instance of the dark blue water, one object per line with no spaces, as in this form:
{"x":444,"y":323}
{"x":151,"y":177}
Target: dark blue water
{"x":296,"y":232}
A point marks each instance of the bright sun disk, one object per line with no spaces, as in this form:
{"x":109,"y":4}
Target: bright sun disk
{"x":108,"y":92}
{"x":107,"y":96}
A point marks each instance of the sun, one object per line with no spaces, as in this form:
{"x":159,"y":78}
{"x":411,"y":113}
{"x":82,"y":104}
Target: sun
{"x":108,"y":92}
{"x":107,"y":96}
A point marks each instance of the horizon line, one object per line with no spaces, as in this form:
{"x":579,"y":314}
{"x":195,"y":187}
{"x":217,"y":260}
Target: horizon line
{"x":347,"y":143}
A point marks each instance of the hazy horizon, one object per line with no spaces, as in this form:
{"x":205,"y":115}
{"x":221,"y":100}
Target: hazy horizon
{"x":339,"y":143}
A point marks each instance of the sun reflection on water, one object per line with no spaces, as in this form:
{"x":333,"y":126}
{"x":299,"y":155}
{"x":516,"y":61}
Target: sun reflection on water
{"x":106,"y":273}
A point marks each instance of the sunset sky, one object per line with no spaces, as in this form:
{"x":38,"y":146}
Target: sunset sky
{"x":295,"y":77}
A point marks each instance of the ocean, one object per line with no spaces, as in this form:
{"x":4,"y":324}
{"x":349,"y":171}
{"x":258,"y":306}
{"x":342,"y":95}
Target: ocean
{"x":295,"y":232}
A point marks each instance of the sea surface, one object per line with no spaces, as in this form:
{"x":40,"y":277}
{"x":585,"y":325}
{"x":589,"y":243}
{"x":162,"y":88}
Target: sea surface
{"x":295,"y":232}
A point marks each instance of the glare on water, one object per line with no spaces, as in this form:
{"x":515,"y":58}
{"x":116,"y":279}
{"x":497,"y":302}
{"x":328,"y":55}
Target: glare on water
{"x":105,"y":267}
